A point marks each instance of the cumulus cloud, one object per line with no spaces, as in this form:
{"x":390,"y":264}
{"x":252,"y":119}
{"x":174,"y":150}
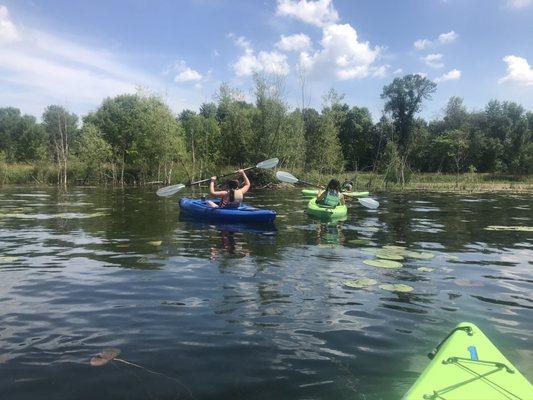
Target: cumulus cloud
{"x":8,"y":31}
{"x":443,"y":38}
{"x":449,"y":37}
{"x":453,"y":75}
{"x":518,"y":4}
{"x":433,"y":60}
{"x":185,"y":73}
{"x":296,"y":42}
{"x":421,"y":44}
{"x":319,"y":13}
{"x":342,"y":53}
{"x":272,"y":62}
{"x":518,"y":70}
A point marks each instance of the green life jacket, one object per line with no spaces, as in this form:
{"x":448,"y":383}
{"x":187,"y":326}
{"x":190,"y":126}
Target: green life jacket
{"x":332,"y":199}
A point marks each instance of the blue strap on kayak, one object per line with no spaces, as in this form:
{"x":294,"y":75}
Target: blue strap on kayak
{"x":473,"y":353}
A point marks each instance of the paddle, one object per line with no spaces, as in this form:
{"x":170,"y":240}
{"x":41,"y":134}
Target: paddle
{"x":170,"y":190}
{"x":289,"y":178}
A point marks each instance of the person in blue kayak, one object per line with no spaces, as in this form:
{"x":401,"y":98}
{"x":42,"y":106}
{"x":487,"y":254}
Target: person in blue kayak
{"x":331,"y":197}
{"x":232,"y":197}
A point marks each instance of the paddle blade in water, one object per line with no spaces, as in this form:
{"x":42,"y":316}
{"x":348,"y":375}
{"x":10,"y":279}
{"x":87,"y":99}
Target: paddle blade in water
{"x":286,"y":177}
{"x":268,"y":164}
{"x":170,"y":190}
{"x":368,"y":202}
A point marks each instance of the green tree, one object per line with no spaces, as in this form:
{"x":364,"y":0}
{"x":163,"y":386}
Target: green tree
{"x":403,"y":100}
{"x":61,"y":127}
{"x":93,"y":151}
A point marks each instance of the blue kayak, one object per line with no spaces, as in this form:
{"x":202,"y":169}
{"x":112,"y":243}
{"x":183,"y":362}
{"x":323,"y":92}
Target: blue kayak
{"x":243,"y":214}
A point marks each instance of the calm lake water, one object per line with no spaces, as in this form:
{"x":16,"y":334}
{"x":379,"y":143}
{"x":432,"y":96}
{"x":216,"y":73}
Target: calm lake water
{"x":217,"y":312}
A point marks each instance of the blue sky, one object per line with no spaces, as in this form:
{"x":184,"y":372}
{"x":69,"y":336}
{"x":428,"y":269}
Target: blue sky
{"x":75,"y":53}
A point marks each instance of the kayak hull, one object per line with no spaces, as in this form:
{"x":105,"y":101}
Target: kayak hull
{"x":317,"y":211}
{"x":314,"y":192}
{"x":245,"y":214}
{"x":467,"y":366}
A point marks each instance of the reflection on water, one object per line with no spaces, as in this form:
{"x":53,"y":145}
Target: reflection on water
{"x":229,"y":311}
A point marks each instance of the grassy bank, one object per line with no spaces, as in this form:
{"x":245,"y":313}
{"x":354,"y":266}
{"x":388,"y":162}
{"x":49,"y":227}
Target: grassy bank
{"x":46,"y":174}
{"x":469,"y":182}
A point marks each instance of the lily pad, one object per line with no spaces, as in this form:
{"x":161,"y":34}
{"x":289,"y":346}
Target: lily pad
{"x":389,"y":255}
{"x":468,"y":283}
{"x":395,"y":248}
{"x":397,"y":287}
{"x":360,"y":283}
{"x":451,"y":258}
{"x":6,"y":259}
{"x":420,"y":255}
{"x":383,"y":263}
{"x":425,"y":269}
{"x":509,"y":228}
{"x":156,"y":243}
{"x":358,"y":241}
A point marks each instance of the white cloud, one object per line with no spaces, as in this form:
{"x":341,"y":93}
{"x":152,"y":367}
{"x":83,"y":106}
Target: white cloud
{"x":185,"y":73}
{"x":433,"y":60}
{"x":449,"y":37}
{"x":342,"y":53}
{"x":443,"y":38}
{"x":398,"y":71}
{"x":296,"y":42}
{"x":319,"y":13}
{"x":421,"y":44}
{"x":453,"y":75}
{"x":8,"y":31}
{"x":518,"y":70}
{"x":518,"y":4}
{"x":381,"y":71}
{"x":422,"y":74}
{"x":44,"y":68}
{"x":270,"y":62}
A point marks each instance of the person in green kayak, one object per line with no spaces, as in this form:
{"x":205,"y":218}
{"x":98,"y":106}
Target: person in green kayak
{"x":331,"y":197}
{"x":232,"y":197}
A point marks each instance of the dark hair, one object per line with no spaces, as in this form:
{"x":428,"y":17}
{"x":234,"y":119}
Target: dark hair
{"x":232,"y":185}
{"x":333,"y":185}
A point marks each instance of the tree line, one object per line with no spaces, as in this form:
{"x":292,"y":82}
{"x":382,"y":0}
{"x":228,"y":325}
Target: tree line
{"x":135,"y":138}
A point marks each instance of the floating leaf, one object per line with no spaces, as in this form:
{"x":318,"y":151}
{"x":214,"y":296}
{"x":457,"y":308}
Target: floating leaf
{"x":104,"y":357}
{"x":425,"y":269}
{"x":383,"y":263}
{"x":395,"y":248}
{"x":7,"y":259}
{"x":123,"y":246}
{"x":156,"y":243}
{"x":397,"y":287}
{"x":110,"y":353}
{"x":451,"y":258}
{"x":468,"y":282}
{"x":389,"y":255}
{"x":360,"y":283}
{"x":421,"y":255}
{"x":509,"y":228}
{"x":359,"y":241}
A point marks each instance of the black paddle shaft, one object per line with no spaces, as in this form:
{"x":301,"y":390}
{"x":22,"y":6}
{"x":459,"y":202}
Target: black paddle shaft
{"x":221,"y":176}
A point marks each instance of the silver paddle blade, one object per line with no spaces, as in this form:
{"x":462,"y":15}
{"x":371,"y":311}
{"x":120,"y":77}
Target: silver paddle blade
{"x":368,"y":202}
{"x":286,"y":177}
{"x":170,"y":190}
{"x":268,"y":164}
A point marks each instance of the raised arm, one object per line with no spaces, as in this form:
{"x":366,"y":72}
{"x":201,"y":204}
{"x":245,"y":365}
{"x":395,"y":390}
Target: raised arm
{"x":212,"y":191}
{"x":246,"y":186}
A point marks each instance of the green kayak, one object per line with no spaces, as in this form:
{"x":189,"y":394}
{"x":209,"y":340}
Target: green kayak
{"x":314,"y":192}
{"x":319,"y":211}
{"x":467,"y":366}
